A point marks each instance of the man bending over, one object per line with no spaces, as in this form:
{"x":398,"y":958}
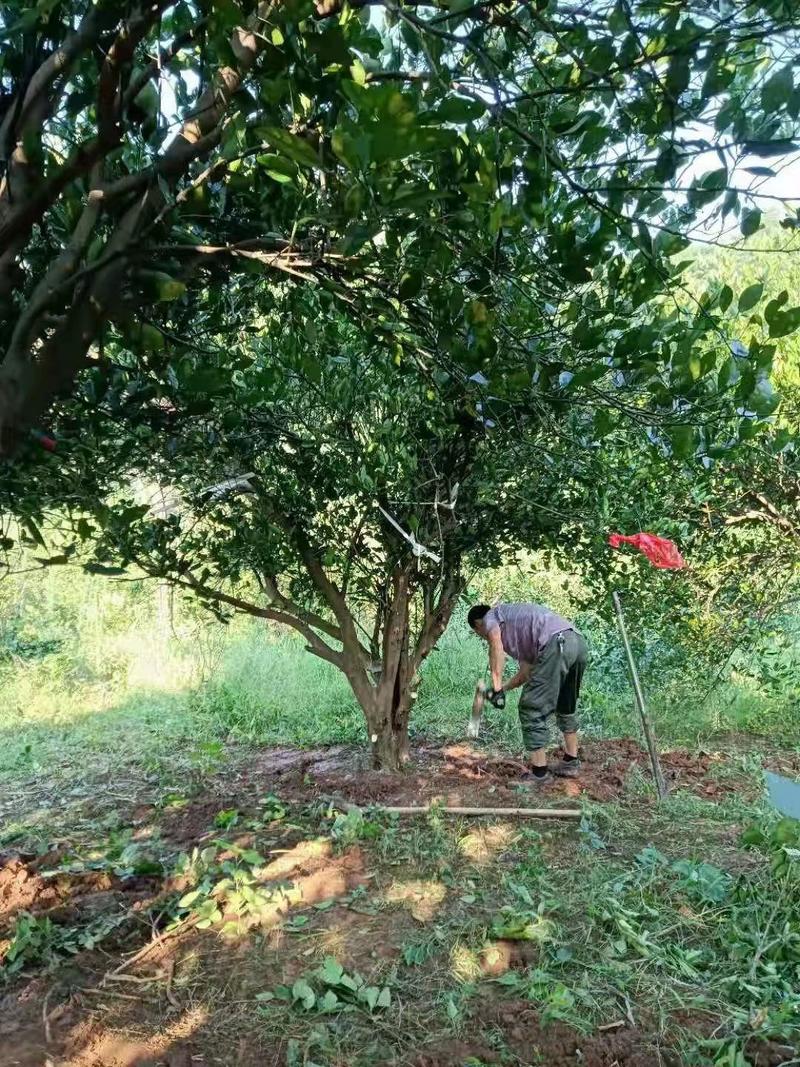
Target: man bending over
{"x":552,"y":658}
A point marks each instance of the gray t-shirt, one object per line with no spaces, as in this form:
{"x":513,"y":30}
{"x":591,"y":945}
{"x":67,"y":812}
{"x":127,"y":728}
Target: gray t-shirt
{"x":525,"y":629}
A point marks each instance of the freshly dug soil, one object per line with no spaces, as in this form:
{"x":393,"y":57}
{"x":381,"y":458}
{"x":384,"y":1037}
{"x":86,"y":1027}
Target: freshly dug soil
{"x":463,"y":774}
{"x":518,"y":1027}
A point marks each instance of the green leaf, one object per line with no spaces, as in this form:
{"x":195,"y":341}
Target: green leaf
{"x":358,"y":73}
{"x":707,"y":188}
{"x":303,"y":992}
{"x":385,"y":998}
{"x":330,"y":1002}
{"x":277,"y":37}
{"x":278,"y":168}
{"x":725,"y":297}
{"x":751,"y":221}
{"x":290,"y":145}
{"x":188,"y":899}
{"x":331,"y":971}
{"x":670,"y":244}
{"x":776,"y":90}
{"x":617,"y":22}
{"x":753,"y":836}
{"x":249,"y":855}
{"x":773,"y":308}
{"x":682,"y":439}
{"x":459,"y":110}
{"x":370,"y":995}
{"x":728,"y":374}
{"x":763,"y":399}
{"x":785,"y":322}
{"x":410,"y":285}
{"x":750,"y":297}
{"x":765,"y":149}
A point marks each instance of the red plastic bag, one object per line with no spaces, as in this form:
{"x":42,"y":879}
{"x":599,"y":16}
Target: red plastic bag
{"x":661,"y":552}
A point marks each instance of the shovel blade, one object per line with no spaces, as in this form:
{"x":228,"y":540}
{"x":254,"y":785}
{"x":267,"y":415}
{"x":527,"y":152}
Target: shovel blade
{"x":474,"y":724}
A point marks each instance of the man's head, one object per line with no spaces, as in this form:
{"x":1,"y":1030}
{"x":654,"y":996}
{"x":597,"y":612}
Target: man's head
{"x":476,"y":618}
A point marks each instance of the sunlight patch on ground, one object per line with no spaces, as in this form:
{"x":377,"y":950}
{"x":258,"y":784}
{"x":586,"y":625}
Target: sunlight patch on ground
{"x":464,"y":964}
{"x":482,"y":844}
{"x":301,"y":855}
{"x":112,"y":1048}
{"x":422,"y":898}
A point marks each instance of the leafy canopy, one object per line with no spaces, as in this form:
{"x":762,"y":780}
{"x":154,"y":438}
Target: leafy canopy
{"x":369,"y":289}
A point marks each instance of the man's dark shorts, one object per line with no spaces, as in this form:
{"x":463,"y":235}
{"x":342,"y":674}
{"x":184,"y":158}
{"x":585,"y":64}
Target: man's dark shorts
{"x":553,"y":686}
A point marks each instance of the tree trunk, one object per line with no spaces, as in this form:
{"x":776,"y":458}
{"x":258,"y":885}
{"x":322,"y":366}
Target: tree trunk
{"x":388,"y":715}
{"x":389,"y":744}
{"x":388,"y":701}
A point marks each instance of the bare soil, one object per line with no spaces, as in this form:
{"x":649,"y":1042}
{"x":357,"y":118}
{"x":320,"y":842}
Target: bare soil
{"x":156,"y":1014}
{"x":64,"y":896}
{"x":554,"y":1044}
{"x":466,"y":775}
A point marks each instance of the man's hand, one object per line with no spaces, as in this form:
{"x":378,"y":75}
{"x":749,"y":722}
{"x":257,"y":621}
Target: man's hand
{"x":497,"y":697}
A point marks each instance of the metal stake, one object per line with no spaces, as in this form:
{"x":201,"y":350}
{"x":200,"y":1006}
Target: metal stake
{"x":658,"y":776}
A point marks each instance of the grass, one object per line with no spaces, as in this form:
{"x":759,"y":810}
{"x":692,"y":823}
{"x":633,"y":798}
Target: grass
{"x":124,"y":687}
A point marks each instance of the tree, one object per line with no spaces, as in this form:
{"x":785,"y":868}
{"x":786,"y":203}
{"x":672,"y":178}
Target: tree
{"x":406,"y":281}
{"x":341,"y":485}
{"x":340,"y":494}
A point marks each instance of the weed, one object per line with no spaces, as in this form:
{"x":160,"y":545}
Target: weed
{"x":38,"y":940}
{"x":120,"y":855}
{"x":349,"y":827}
{"x":331,"y":989}
{"x":226,"y":820}
{"x":418,"y":951}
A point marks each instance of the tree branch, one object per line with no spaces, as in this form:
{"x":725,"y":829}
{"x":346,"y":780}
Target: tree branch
{"x":436,"y":622}
{"x":315,"y":642}
{"x":270,"y":587}
{"x":26,"y":387}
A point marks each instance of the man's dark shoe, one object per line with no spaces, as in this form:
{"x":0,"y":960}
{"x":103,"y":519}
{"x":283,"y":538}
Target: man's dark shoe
{"x":529,"y":778}
{"x":566,"y":768}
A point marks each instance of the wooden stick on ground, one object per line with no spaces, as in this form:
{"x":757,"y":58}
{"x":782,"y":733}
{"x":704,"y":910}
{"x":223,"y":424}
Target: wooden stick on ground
{"x":186,"y":924}
{"x":530,"y":813}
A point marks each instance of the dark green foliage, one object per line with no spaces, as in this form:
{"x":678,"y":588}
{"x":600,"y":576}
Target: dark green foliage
{"x":419,"y":271}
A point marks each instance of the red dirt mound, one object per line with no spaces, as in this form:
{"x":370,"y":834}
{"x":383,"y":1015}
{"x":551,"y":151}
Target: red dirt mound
{"x":64,"y":897}
{"x":21,"y":889}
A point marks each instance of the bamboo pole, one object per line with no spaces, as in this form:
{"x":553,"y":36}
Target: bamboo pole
{"x":530,"y":813}
{"x":658,"y":776}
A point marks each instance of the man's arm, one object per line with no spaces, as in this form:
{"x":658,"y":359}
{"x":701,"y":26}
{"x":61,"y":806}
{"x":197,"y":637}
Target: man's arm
{"x":520,"y":678}
{"x":497,"y":657}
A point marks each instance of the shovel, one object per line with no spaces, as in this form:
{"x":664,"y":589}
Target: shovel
{"x":474,"y":724}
